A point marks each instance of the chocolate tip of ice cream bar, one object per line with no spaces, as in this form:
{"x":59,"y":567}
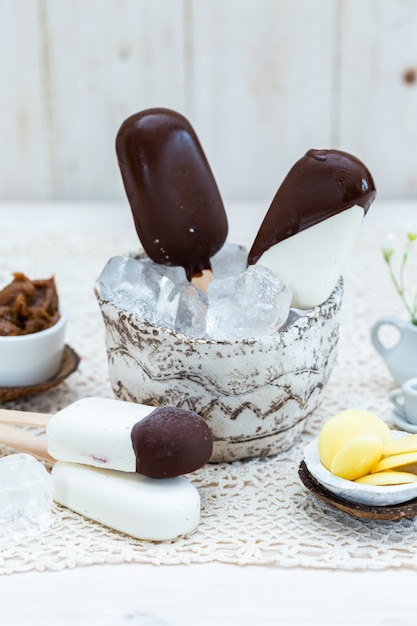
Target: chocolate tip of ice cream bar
{"x":319,"y":185}
{"x":176,"y":205}
{"x":170,"y":442}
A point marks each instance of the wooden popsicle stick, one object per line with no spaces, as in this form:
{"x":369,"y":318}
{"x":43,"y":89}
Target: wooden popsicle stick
{"x":203,"y":281}
{"x":24,"y":418}
{"x":24,"y":442}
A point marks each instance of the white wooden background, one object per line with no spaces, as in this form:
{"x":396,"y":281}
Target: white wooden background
{"x":260,"y":80}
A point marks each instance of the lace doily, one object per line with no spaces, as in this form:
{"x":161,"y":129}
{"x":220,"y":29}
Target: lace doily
{"x":254,"y":512}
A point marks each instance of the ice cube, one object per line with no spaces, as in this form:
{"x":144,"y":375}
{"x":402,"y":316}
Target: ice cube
{"x":253,"y":304}
{"x":256,"y":302}
{"x":137,"y":299}
{"x":138,"y":288}
{"x":118,"y":270}
{"x":174,"y":273}
{"x":26,"y":493}
{"x":293,"y":316}
{"x":192,"y":310}
{"x":230,"y":260}
{"x":166,"y":304}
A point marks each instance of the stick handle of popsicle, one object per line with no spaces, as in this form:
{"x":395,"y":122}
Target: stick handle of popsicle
{"x":24,"y":418}
{"x":203,"y":281}
{"x":24,"y":442}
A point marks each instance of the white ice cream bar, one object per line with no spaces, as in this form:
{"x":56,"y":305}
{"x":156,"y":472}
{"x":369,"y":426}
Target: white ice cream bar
{"x":159,"y":442}
{"x":144,"y":508}
{"x":96,"y":431}
{"x":311,"y":261}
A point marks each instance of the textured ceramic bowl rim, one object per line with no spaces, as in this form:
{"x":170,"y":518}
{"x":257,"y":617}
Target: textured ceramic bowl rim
{"x":332,"y":302}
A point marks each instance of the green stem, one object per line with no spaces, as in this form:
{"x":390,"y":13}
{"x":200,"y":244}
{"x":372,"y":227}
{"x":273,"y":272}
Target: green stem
{"x":399,"y":283}
{"x":402,"y":270}
{"x":399,"y":286}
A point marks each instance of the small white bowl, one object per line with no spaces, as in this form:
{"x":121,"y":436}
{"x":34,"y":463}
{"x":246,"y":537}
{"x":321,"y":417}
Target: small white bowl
{"x":34,"y":358}
{"x":357,"y":492}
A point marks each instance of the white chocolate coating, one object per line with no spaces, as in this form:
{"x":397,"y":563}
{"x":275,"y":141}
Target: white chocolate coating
{"x":96,"y":431}
{"x":311,"y":262}
{"x":144,"y":508}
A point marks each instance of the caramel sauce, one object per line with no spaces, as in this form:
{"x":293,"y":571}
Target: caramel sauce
{"x":28,"y":306}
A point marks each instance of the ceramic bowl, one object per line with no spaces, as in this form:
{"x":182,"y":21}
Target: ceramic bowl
{"x":372,"y":495}
{"x":255,"y":394}
{"x":34,"y":358}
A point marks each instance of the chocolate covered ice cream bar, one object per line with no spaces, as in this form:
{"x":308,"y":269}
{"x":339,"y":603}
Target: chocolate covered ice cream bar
{"x":313,"y":223}
{"x":175,"y":202}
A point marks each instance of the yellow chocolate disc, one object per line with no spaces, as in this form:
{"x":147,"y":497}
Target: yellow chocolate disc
{"x":380,"y":479}
{"x":379,"y":427}
{"x":396,"y":460}
{"x":347,"y":425}
{"x":410,"y":468}
{"x":400,"y":446}
{"x":357,"y":457}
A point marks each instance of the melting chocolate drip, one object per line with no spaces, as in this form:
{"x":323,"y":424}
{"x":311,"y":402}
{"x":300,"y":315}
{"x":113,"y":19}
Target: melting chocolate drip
{"x":170,"y":442}
{"x":176,"y":205}
{"x":321,"y":184}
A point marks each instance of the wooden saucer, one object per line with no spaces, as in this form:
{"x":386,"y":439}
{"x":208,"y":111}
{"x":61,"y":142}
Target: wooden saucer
{"x":391,"y":512}
{"x":69,"y":363}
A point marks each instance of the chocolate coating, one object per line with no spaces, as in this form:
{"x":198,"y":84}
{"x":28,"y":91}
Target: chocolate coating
{"x":321,"y":184}
{"x":176,"y":205}
{"x":170,"y":442}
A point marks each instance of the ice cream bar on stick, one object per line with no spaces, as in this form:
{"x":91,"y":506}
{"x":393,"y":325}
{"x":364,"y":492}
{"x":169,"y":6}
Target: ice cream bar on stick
{"x":313,"y":223}
{"x":154,"y":509}
{"x":176,"y":205}
{"x":144,"y":508}
{"x":162,"y":442}
{"x":20,"y":440}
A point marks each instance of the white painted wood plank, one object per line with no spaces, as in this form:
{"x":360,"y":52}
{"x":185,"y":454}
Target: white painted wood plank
{"x":261,"y":81}
{"x":212,"y":593}
{"x":263,"y":87}
{"x":23,"y":144}
{"x":108,"y":59}
{"x":378,"y":108}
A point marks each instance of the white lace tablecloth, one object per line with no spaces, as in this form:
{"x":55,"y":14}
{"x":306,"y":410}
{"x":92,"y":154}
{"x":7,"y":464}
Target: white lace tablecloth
{"x":254,"y":512}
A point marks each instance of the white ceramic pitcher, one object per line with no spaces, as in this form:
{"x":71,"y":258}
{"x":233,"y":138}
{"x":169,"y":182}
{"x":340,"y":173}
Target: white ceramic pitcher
{"x":401,"y":358}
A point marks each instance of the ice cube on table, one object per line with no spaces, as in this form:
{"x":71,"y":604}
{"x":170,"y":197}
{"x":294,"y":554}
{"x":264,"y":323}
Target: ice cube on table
{"x":26,"y":494}
{"x":253,"y":304}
